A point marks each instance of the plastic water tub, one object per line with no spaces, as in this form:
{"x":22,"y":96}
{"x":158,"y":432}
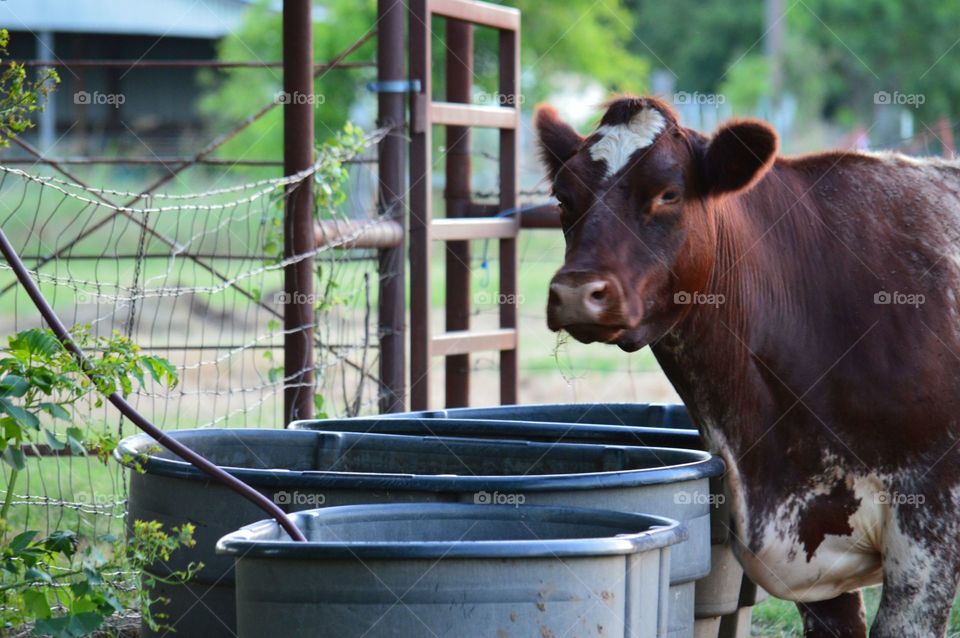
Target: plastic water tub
{"x":718,"y":595}
{"x":454,"y":571}
{"x":303,"y":470}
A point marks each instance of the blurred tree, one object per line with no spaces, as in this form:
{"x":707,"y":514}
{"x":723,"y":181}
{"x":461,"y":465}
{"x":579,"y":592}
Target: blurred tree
{"x":698,"y":42}
{"x":746,"y":83}
{"x":909,"y":47}
{"x":237,"y":93}
{"x":574,"y":36}
{"x":582,"y":37}
{"x":838,"y":54}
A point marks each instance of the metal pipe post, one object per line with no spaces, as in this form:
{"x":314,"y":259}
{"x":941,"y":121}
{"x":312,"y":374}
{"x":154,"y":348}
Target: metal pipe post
{"x":298,"y":231}
{"x":391,"y":154}
{"x":459,"y":60}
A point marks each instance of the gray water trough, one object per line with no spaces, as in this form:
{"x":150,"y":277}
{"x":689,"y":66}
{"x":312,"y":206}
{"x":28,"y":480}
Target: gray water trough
{"x":304,"y":469}
{"x":454,"y":571}
{"x":722,"y":598}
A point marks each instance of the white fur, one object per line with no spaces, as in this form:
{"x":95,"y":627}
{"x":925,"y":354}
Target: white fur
{"x":840,"y":563}
{"x":620,"y":141}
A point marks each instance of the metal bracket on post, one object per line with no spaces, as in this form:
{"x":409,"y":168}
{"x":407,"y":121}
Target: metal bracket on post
{"x":418,"y":112}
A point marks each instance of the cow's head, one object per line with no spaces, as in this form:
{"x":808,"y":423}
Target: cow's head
{"x":640,"y":230}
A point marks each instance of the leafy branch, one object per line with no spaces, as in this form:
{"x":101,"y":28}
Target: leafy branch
{"x":20,"y":97}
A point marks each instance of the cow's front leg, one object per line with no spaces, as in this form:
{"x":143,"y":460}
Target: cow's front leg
{"x":840,"y":617}
{"x":921,"y":562}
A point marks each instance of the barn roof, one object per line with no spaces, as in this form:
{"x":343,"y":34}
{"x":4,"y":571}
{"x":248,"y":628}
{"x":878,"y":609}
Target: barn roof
{"x":172,"y":18}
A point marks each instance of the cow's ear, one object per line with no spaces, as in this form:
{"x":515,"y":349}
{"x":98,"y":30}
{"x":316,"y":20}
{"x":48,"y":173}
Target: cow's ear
{"x":558,"y":140}
{"x":738,"y":155}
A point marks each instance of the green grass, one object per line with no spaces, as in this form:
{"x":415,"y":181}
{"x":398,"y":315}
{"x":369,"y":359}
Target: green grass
{"x":80,"y":481}
{"x":774,"y":618}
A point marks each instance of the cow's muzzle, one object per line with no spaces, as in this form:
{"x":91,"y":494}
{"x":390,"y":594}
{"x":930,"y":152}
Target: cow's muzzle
{"x":588,"y":305}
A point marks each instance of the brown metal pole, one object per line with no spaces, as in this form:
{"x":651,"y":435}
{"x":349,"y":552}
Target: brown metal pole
{"x":509,"y":194}
{"x":298,"y":232}
{"x":391,"y":54}
{"x":420,"y":206}
{"x":459,"y":66}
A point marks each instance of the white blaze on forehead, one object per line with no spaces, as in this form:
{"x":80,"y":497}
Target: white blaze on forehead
{"x":620,"y":141}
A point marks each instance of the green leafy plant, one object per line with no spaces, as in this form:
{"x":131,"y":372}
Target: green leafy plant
{"x":66,"y":583}
{"x":40,"y":381}
{"x":329,"y":179}
{"x":20,"y":97}
{"x":148,"y":545}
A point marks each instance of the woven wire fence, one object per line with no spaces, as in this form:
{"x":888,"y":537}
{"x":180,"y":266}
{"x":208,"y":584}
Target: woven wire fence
{"x":195,"y":278}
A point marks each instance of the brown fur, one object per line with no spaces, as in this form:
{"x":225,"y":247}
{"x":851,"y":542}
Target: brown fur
{"x":799,"y":372}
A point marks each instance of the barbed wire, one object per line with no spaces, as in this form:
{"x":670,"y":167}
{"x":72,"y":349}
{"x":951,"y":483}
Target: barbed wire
{"x":195,"y":277}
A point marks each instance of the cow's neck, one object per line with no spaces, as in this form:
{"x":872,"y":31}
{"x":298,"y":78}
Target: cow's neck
{"x":719,"y":357}
{"x":730,"y":362}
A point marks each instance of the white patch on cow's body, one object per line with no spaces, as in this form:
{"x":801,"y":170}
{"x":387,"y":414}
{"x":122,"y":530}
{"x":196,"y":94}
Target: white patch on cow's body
{"x":620,"y":141}
{"x":839,"y":564}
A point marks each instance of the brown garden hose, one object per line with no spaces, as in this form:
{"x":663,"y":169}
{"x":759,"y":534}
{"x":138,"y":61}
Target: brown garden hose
{"x":217,"y":473}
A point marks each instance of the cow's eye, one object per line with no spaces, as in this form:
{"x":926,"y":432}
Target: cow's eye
{"x":669,"y":197}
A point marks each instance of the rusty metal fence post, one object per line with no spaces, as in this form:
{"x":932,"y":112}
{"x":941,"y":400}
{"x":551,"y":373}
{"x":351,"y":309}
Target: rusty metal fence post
{"x":391,"y":54}
{"x":298,"y":231}
{"x":459,"y":79}
{"x":420,"y":206}
{"x":509,"y":49}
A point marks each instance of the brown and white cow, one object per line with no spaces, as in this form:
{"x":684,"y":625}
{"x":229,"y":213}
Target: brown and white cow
{"x":806,"y":310}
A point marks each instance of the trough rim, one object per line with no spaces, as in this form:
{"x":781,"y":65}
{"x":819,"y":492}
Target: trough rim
{"x":701,"y":465}
{"x":657,"y":533}
{"x":495,"y":428}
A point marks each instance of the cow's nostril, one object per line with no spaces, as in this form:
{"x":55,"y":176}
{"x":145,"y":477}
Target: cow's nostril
{"x":553,"y":299}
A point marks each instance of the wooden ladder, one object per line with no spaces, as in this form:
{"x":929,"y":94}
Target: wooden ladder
{"x":425,"y":230}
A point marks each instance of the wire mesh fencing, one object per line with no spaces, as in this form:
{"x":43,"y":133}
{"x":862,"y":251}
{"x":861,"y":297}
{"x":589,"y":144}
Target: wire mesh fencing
{"x":196,"y":278}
